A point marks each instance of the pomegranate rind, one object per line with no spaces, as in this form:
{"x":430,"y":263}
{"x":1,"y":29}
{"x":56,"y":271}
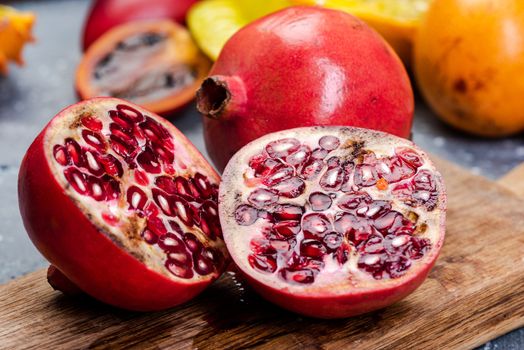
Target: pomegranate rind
{"x":328,"y":300}
{"x":80,"y":245}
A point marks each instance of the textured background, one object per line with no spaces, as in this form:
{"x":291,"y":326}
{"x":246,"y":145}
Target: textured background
{"x":29,"y":97}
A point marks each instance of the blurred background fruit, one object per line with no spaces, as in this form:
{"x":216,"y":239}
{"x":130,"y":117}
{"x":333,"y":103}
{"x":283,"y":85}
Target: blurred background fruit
{"x":469,"y":64}
{"x":155,"y":64}
{"x":15,"y":31}
{"x":213,"y":22}
{"x":105,"y":14}
{"x":396,"y":20}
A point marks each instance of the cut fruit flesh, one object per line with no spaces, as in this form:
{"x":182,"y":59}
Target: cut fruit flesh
{"x":370,"y":219}
{"x":154,"y":64}
{"x":141,"y":185}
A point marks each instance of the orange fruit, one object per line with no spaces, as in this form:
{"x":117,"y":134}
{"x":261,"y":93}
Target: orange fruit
{"x":469,"y":64}
{"x":15,"y":31}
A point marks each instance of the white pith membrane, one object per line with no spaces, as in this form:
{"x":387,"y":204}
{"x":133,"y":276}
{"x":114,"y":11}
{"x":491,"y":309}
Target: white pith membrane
{"x":340,"y":254}
{"x":146,"y":66}
{"x":159,"y":204}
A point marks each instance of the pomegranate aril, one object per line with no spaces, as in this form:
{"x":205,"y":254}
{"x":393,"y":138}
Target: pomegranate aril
{"x":417,"y":248}
{"x":420,"y":191}
{"x":148,"y":161}
{"x":149,"y":236}
{"x":123,"y":121}
{"x":181,"y":257}
{"x":332,"y":240}
{"x":374,"y":209}
{"x":112,"y":188}
{"x":288,"y":212}
{"x":171,"y":243}
{"x":304,"y":276}
{"x":93,"y":163}
{"x":311,"y":169}
{"x":153,"y":131}
{"x":136,"y":198}
{"x":396,"y":266}
{"x":246,"y":215}
{"x":183,"y":210}
{"x":156,"y":225}
{"x":112,"y":166}
{"x":96,"y":188}
{"x":282,"y":148}
{"x":278,"y":175}
{"x":299,"y":156}
{"x":166,"y":184}
{"x":319,"y":153}
{"x":120,"y":147}
{"x":312,"y":249}
{"x":410,"y":156}
{"x":264,"y":263}
{"x":163,"y":201}
{"x":94,"y":139}
{"x":92,"y":123}
{"x":332,"y":179}
{"x":373,"y":264}
{"x":192,"y":242}
{"x":315,"y":225}
{"x":365,"y":175}
{"x":329,"y":142}
{"x":164,"y":153}
{"x":342,"y":253}
{"x":74,"y":151}
{"x":77,"y":179}
{"x":141,"y":177}
{"x":203,"y":265}
{"x":290,"y":188}
{"x":282,"y":245}
{"x":262,"y":198}
{"x":60,"y":154}
{"x":287,"y":228}
{"x":374,"y":245}
{"x":203,"y":186}
{"x":353,"y":200}
{"x":129,"y":113}
{"x":176,"y":227}
{"x":182,"y":187}
{"x":178,"y":270}
{"x":319,"y":201}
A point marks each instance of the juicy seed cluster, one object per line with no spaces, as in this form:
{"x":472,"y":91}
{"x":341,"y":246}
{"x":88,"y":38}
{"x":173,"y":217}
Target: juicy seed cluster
{"x":314,"y":206}
{"x":130,"y":165}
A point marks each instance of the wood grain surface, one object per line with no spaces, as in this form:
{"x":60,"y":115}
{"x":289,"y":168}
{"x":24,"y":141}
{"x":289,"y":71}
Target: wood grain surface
{"x":474,"y":294}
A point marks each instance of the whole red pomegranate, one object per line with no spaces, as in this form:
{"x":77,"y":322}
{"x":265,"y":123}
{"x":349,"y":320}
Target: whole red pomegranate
{"x":332,"y":221}
{"x":302,"y":66}
{"x":106,"y":14}
{"x":123,"y":205}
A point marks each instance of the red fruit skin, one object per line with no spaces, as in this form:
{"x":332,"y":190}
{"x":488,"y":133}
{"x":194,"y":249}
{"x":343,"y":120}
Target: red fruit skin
{"x":66,"y":238}
{"x":304,"y":66}
{"x":106,"y":14}
{"x":332,"y":307}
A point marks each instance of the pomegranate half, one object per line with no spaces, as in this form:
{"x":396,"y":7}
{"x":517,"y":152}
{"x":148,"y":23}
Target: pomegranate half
{"x":302,"y":66}
{"x":332,"y":222}
{"x":123,"y":205}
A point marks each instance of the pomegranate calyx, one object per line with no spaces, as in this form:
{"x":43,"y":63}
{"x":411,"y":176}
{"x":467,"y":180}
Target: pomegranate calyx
{"x":221,"y":97}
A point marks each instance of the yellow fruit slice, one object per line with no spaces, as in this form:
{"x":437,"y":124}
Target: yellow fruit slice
{"x":213,"y":22}
{"x":15,"y":31}
{"x":396,"y":20}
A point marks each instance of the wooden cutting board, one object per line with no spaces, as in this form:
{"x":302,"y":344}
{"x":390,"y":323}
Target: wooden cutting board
{"x":474,"y":294}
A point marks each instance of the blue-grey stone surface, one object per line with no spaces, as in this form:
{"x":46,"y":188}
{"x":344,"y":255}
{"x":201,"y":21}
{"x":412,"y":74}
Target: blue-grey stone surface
{"x":30,"y":96}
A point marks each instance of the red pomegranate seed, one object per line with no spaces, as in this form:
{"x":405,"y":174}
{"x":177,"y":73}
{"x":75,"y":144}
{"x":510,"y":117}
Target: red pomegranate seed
{"x":96,"y":188}
{"x":410,"y":156}
{"x":130,"y":113}
{"x":282,"y":148}
{"x":94,"y":139}
{"x":417,"y":248}
{"x":342,"y":253}
{"x":332,"y":179}
{"x":282,"y":245}
{"x":60,"y":154}
{"x":110,"y":218}
{"x":299,"y":156}
{"x":329,"y":142}
{"x":112,"y":166}
{"x":148,"y":161}
{"x":246,"y":215}
{"x":365,"y":175}
{"x":373,"y":263}
{"x":93,"y":164}
{"x":171,"y":243}
{"x":345,"y":223}
{"x":315,"y":225}
{"x":136,"y":198}
{"x":112,"y":188}
{"x":179,"y":270}
{"x":288,"y":212}
{"x":264,"y":263}
{"x":290,"y":188}
{"x":77,"y":179}
{"x":182,"y":209}
{"x":203,"y":186}
{"x":74,"y":151}
{"x":319,"y":153}
{"x":149,"y":236}
{"x":92,"y":123}
{"x":123,"y":121}
{"x":373,"y":245}
{"x":182,"y":187}
{"x":262,"y":198}
{"x":311,"y":169}
{"x":120,"y":147}
{"x":319,"y":201}
{"x":353,"y":200}
{"x":141,"y":177}
{"x":305,"y":276}
{"x":192,"y":243}
{"x":164,"y":153}
{"x":182,"y":258}
{"x":202,"y":264}
{"x":278,"y":174}
{"x":156,"y":225}
{"x":166,"y":184}
{"x":288,"y":228}
{"x":312,"y":248}
{"x":396,"y":266}
{"x":163,"y":201}
{"x":332,"y":241}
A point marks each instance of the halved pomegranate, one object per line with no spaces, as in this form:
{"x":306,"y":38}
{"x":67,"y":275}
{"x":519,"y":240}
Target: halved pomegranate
{"x":123,"y":205}
{"x":332,"y":221}
{"x":155,"y":64}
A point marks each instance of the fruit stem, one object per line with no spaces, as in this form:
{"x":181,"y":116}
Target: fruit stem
{"x":221,"y":96}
